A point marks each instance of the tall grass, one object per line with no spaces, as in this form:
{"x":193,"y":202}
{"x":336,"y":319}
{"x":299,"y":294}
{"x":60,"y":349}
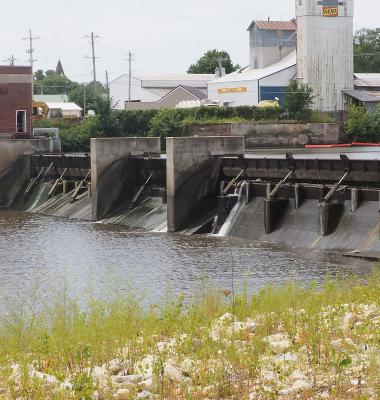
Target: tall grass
{"x":65,"y":340}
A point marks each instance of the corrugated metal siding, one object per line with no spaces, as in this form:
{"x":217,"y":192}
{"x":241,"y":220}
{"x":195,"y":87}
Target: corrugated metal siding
{"x":273,"y":38}
{"x":325,"y":53}
{"x":367,"y":80}
{"x":276,"y":25}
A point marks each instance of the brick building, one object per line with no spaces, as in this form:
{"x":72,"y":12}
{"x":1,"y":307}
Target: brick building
{"x":15,"y":101}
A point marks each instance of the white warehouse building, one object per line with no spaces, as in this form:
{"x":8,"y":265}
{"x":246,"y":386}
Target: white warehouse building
{"x":250,"y":86}
{"x":323,"y":59}
{"x":147,"y":87}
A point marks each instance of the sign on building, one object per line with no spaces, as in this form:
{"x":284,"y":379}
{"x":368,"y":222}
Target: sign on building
{"x":232,"y":90}
{"x":330,"y":7}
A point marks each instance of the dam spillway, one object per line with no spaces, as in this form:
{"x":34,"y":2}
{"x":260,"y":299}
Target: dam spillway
{"x":326,"y":200}
{"x":330,"y":201}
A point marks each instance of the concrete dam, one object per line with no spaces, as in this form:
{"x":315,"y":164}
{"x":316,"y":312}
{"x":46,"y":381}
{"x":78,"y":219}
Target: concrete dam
{"x":327,"y":200}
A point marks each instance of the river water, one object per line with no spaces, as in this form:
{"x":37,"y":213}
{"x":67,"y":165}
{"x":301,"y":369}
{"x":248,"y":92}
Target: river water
{"x":93,"y":259}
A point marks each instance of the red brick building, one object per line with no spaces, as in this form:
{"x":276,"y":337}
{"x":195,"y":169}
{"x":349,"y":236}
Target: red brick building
{"x":15,"y":101}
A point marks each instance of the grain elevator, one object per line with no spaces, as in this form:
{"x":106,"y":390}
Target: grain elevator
{"x":325,"y":50}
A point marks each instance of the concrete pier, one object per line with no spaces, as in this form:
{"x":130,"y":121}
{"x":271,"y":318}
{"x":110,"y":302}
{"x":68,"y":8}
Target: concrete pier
{"x":112,"y":169}
{"x":14,"y":167}
{"x":193,"y":170}
{"x":274,"y":210}
{"x":329,"y":217}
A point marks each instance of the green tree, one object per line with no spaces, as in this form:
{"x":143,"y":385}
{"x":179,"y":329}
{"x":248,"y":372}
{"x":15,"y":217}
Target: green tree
{"x":208,"y":63}
{"x":90,"y":92}
{"x":108,"y":117}
{"x":367,"y":50}
{"x":298,"y":101}
{"x":51,"y":83}
{"x":39,"y":75}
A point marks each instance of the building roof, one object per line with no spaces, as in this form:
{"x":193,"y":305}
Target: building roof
{"x":59,"y":69}
{"x":274,"y":25}
{"x":51,"y":98}
{"x":63,"y":106}
{"x":367,"y":80}
{"x":256,"y":74}
{"x":156,"y":80}
{"x":195,"y":92}
{"x":363,"y":96}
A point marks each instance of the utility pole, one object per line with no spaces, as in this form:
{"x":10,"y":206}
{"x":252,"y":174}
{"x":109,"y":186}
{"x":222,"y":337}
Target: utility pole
{"x":107,"y":86}
{"x":84,"y":101}
{"x":130,"y":76}
{"x":129,"y":59}
{"x":32,"y":60}
{"x":30,"y":51}
{"x":93,"y":38}
{"x":11,"y":60}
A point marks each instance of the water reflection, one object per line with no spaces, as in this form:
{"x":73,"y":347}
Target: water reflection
{"x":56,"y":252}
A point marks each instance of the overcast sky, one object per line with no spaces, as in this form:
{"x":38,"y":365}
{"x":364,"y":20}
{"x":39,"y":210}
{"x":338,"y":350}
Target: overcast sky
{"x":164,"y":35}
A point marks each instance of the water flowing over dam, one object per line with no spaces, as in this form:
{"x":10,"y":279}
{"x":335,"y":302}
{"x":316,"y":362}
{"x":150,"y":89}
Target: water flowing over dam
{"x":326,"y":200}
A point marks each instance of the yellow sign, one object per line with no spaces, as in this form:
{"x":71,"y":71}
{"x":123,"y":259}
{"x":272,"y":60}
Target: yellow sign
{"x":331,"y":11}
{"x":232,"y":90}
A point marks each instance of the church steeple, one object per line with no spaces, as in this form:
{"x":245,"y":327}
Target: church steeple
{"x":59,"y":70}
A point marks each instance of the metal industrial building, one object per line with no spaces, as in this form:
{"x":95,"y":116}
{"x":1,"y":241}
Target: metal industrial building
{"x":250,"y":86}
{"x":270,"y":41}
{"x":324,"y":59}
{"x":150,"y":88}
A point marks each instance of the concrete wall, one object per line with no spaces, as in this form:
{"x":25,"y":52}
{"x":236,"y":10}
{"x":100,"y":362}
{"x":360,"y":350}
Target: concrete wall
{"x":193,"y":175}
{"x":12,"y":150}
{"x":110,"y":164}
{"x":143,"y":105}
{"x":14,"y":167}
{"x":274,"y":135}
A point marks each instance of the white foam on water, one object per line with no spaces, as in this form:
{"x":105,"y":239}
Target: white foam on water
{"x":232,"y":217}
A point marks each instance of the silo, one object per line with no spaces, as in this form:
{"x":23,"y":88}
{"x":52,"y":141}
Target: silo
{"x":325,"y":50}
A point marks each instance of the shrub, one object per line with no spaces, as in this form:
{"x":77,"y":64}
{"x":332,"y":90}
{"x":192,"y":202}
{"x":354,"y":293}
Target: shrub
{"x":77,"y":139}
{"x":374,"y":121}
{"x":358,"y":124}
{"x":321,"y":118}
{"x":61,"y":123}
{"x":168,"y":123}
{"x":298,"y":101}
{"x":135,"y":123}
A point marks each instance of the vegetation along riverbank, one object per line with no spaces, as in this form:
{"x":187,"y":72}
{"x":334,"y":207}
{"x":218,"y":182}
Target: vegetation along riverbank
{"x":281,"y":343}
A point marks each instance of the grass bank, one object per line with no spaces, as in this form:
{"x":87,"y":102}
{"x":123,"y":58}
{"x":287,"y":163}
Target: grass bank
{"x":285,"y":343}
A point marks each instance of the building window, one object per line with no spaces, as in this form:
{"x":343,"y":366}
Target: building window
{"x":20,"y":121}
